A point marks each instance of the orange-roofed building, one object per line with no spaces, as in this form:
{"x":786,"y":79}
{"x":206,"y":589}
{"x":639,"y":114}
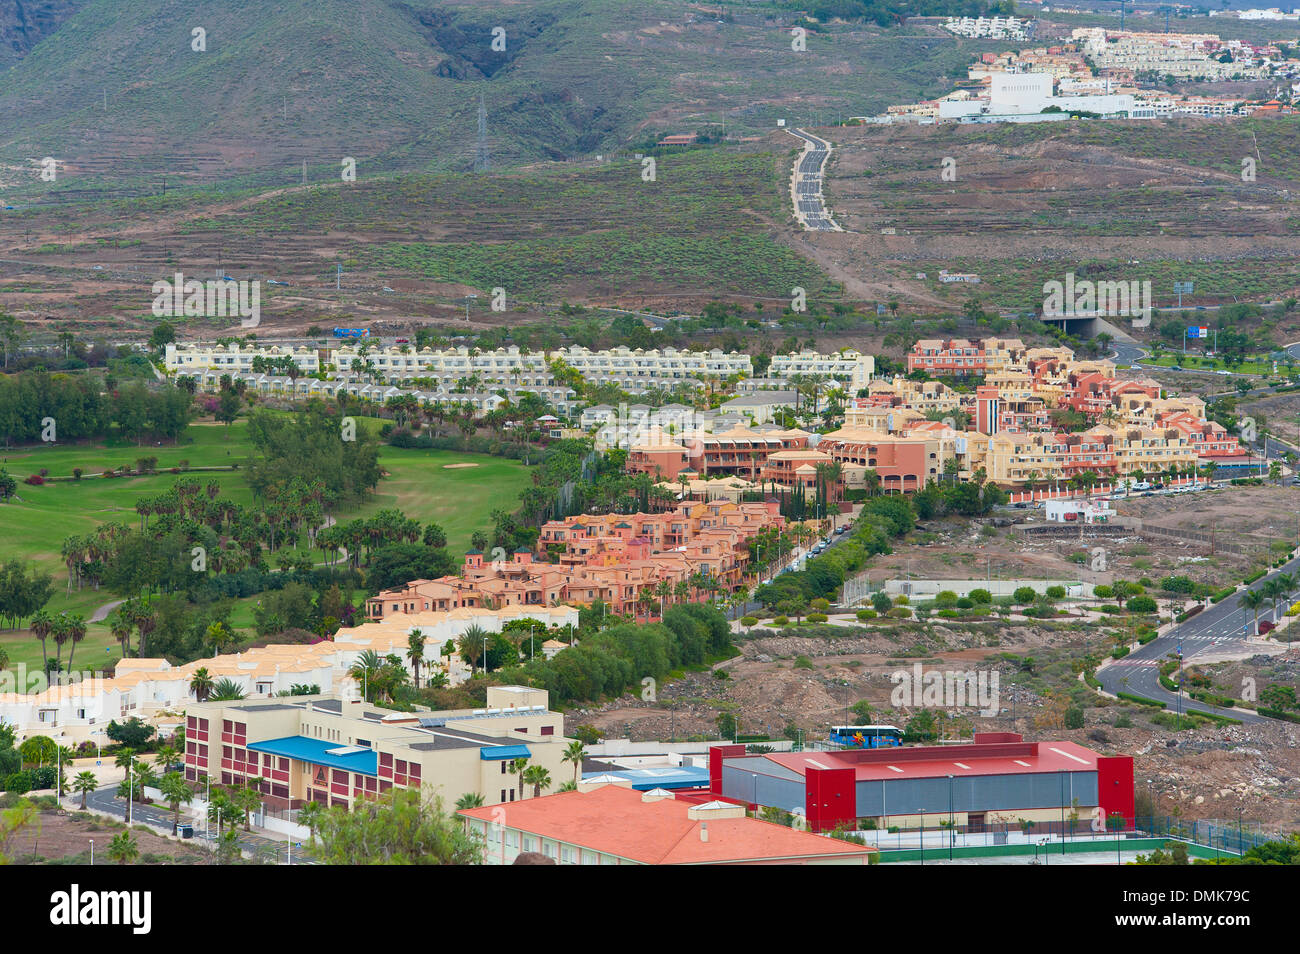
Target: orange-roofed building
{"x":612,"y":825}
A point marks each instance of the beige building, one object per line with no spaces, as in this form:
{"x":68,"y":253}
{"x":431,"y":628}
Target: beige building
{"x":339,"y":751}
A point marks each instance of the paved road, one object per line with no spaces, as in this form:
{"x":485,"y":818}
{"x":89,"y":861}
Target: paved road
{"x":809,"y":206}
{"x":102,"y":612}
{"x":1219,"y":628}
{"x":159,"y":817}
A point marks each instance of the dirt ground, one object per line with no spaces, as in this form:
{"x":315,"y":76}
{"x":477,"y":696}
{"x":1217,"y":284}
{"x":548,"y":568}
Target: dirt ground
{"x":66,"y":837}
{"x":1242,"y":520}
{"x":810,"y":681}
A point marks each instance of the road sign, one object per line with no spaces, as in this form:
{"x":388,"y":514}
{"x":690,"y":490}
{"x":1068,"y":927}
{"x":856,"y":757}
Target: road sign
{"x":1183,"y":288}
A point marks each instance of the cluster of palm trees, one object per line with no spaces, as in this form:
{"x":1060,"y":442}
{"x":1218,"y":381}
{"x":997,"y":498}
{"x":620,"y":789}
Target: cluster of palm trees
{"x":65,"y":629}
{"x":1274,"y":591}
{"x":207,"y":689}
{"x":381,"y":677}
{"x":86,"y":556}
{"x":363,"y":535}
{"x":538,"y":776}
{"x":137,"y":615}
{"x":190,"y":507}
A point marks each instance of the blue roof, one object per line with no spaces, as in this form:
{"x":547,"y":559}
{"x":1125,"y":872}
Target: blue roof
{"x":316,"y":752}
{"x":644,"y":779}
{"x":496,"y":753}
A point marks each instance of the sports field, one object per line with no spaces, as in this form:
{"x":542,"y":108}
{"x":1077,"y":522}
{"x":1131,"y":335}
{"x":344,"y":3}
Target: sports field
{"x":458,"y":491}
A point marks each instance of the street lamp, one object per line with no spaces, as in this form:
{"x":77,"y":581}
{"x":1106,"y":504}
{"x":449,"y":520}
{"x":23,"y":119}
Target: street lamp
{"x":92,"y":852}
{"x":952,"y":822}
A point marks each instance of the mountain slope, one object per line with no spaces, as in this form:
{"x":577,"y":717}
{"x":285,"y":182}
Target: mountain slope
{"x":117,"y":95}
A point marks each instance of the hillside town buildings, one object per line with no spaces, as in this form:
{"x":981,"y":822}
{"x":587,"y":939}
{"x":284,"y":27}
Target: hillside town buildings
{"x":150,"y":687}
{"x":620,"y":560}
{"x":1103,"y":73}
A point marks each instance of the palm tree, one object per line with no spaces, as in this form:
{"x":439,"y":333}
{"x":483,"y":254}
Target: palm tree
{"x":246,"y":799}
{"x":76,"y":629}
{"x":364,"y":669}
{"x":538,"y":777}
{"x":310,"y":816}
{"x":415,"y":652}
{"x":175,"y":792}
{"x":83,"y":784}
{"x":575,"y":753}
{"x":518,"y":767}
{"x":569,"y":786}
{"x":470,"y":645}
{"x":201,"y":684}
{"x":1253,"y":600}
{"x":226,"y":690}
{"x":123,"y":849}
{"x":469,"y":800}
{"x":41,"y":624}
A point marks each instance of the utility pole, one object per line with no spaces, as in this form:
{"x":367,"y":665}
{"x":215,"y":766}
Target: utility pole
{"x":304,"y":172}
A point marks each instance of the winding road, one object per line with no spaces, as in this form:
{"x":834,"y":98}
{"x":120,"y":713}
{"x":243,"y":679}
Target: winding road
{"x":1220,"y":628}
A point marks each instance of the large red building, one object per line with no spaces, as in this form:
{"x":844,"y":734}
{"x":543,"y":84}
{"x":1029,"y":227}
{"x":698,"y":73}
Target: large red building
{"x":999,"y":779}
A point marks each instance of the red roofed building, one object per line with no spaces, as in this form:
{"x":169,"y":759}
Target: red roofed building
{"x":999,"y":779}
{"x":612,"y":825}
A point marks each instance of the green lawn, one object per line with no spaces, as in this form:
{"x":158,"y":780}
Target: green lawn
{"x":418,"y":482}
{"x":1258,"y":364}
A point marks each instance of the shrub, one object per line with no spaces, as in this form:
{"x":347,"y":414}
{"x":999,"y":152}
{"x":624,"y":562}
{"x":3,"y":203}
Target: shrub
{"x":945,"y":599}
{"x":965,"y":603}
{"x":900,"y":612}
{"x":1141,"y":604}
{"x":901,"y":601}
{"x":947,"y":613}
{"x":821,"y":605}
{"x":35,"y":480}
{"x":748,"y":621}
{"x":803,"y":662}
{"x":881,"y":603}
{"x":782,"y":621}
{"x":867,"y":614}
{"x":1074,"y":718}
{"x":76,"y":473}
{"x":1056,"y":592}
{"x":1024,"y":594}
{"x":1103,"y":591}
{"x":816,"y":617}
{"x":981,"y":596}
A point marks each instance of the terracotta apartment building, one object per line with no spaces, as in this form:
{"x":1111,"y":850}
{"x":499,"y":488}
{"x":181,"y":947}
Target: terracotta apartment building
{"x":613,"y":558}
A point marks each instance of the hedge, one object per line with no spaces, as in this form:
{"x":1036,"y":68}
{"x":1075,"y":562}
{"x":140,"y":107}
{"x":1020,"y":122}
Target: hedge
{"x":1120,"y":652}
{"x":1279,"y":714}
{"x":1141,"y":700}
{"x":1258,"y":574}
{"x":1223,"y":594}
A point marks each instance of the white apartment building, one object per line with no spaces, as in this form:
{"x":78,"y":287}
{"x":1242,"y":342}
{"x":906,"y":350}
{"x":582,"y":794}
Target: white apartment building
{"x":850,"y":367}
{"x":638,"y":370}
{"x":232,"y":358}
